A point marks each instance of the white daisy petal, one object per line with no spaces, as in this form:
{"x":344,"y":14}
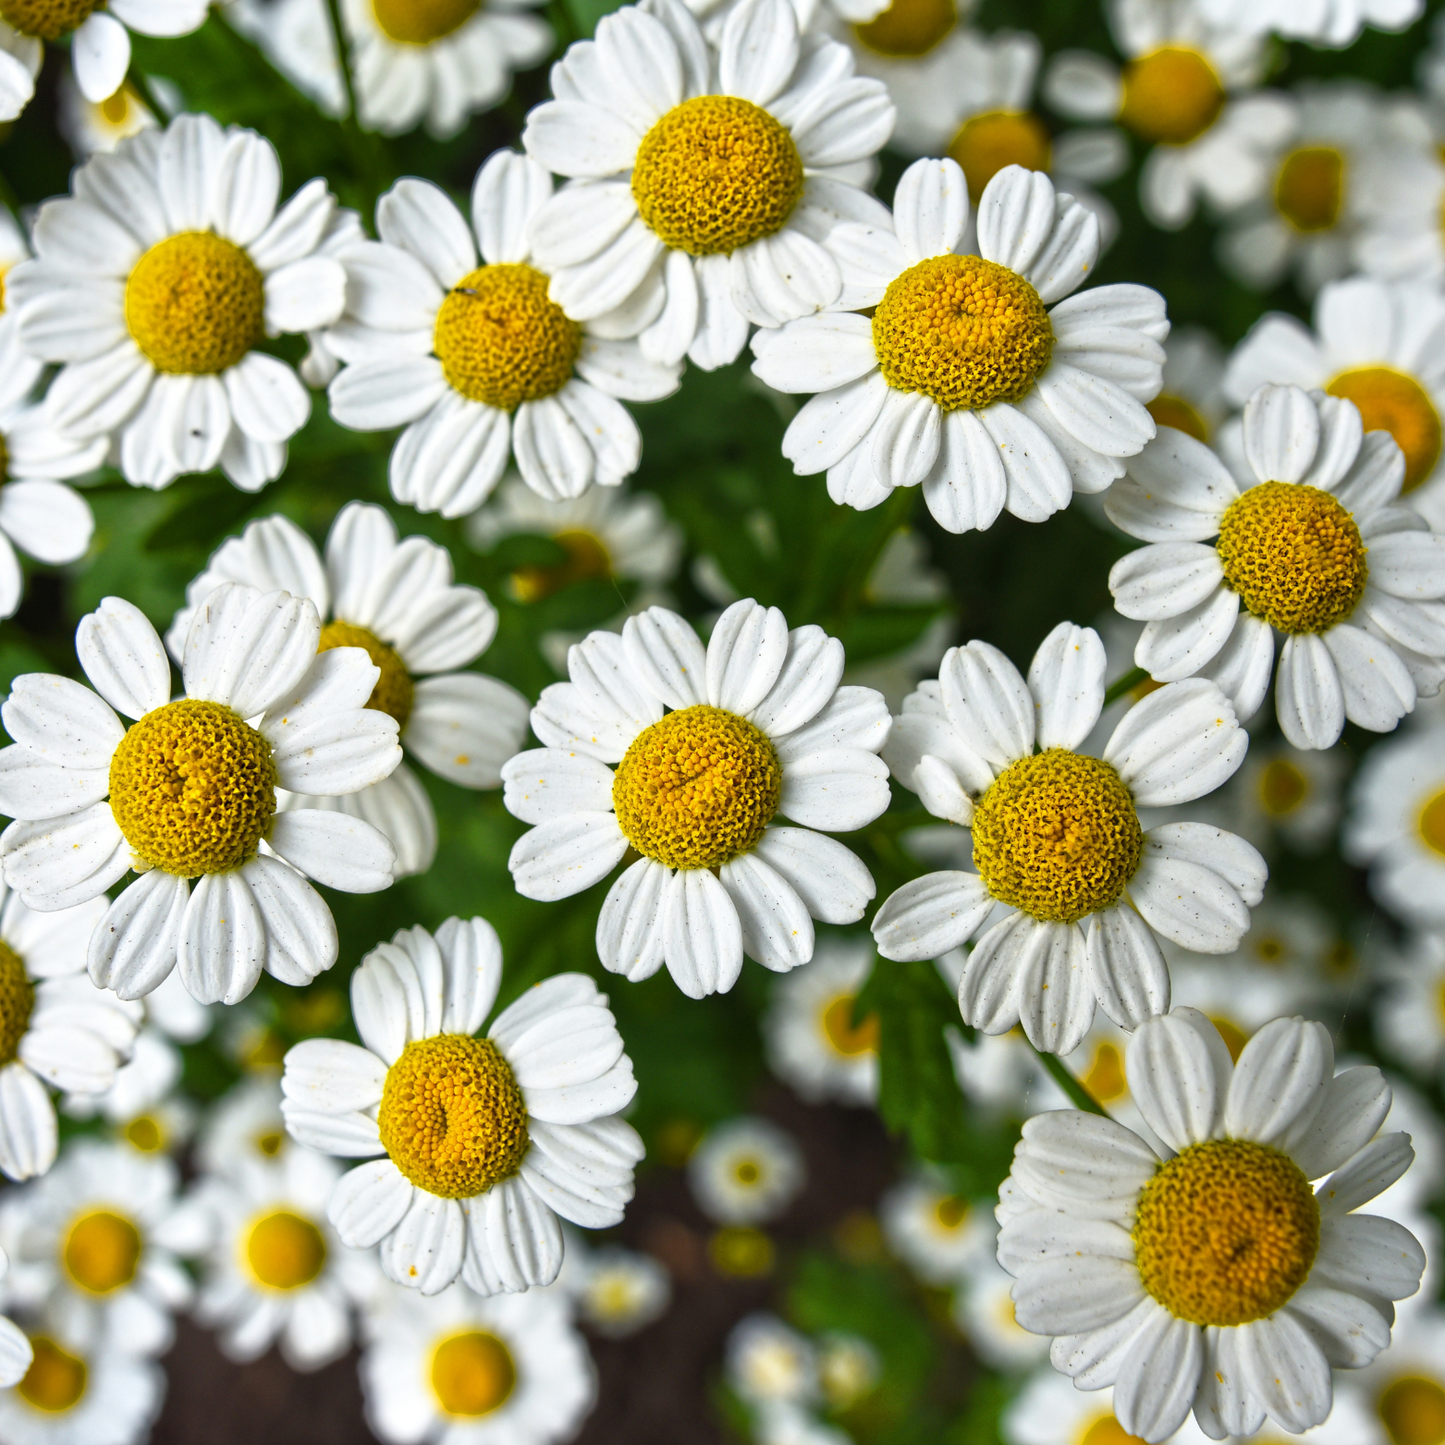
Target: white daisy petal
{"x":703,"y":940}
{"x":1369,"y":1173}
{"x":416,"y":216}
{"x":1176,"y":491}
{"x":508,"y":192}
{"x":301,"y":939}
{"x":1188,"y":903}
{"x":1309,"y":697}
{"x":28,"y":1135}
{"x":1066,"y":679}
{"x":565,"y":855}
{"x":988,"y":703}
{"x":930,"y":208}
{"x":523,"y":1240}
{"x":1376,"y":686}
{"x":1055,"y":993}
{"x":629,"y":928}
{"x":464,"y":726}
{"x":133,"y":948}
{"x":59,"y":862}
{"x":1178,"y":647}
{"x":1156,"y":1387}
{"x":830,"y":879}
{"x":1178,"y":743}
{"x":745,"y":656}
{"x":1165,"y":580}
{"x":33,"y":789}
{"x":1356,"y":1103}
{"x":968,"y":485}
{"x":829,"y":426}
{"x":667,"y":657}
{"x":776,"y":928}
{"x":838,"y":790}
{"x":546,"y":783}
{"x":329,"y":1076}
{"x":1074,"y":1294}
{"x":1350,"y":1331}
{"x":931,"y":915}
{"x":758,"y":50}
{"x":266,"y":398}
{"x":335,"y":849}
{"x":123,"y":657}
{"x":1015,"y":217}
{"x":1281,"y":433}
{"x":1280,"y":1081}
{"x":247,"y":649}
{"x":584,"y":1172}
{"x":424,"y":1251}
{"x":1130,"y":976}
{"x":349,"y":1136}
{"x":1039,"y":483}
{"x":368,"y":1202}
{"x":1179,"y":1070}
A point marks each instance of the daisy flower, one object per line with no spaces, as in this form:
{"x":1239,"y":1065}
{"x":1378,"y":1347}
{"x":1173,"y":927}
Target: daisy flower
{"x":1086,"y":891}
{"x":983,"y":1310}
{"x":812,"y":1043}
{"x":476,"y":1191}
{"x":759,"y":726}
{"x":153,"y":285}
{"x":189,"y":792}
{"x":74,"y":1392}
{"x":1401,"y":237}
{"x":1404,"y":1389}
{"x":16,"y":1354}
{"x":19,"y":371}
{"x":963,"y":378}
{"x":1379,"y":344}
{"x":708,"y":182}
{"x":1193,"y":398}
{"x":142,"y":1106}
{"x":1215,"y":1277}
{"x":455,"y":1369}
{"x":476,"y":362}
{"x":848,"y":1368}
{"x":1049,"y":1411}
{"x":746,"y":1171}
{"x":618,"y":1291}
{"x":100,"y":125}
{"x":1409,"y":1010}
{"x":1284,"y":795}
{"x":397,"y":602}
{"x":768,"y":1362}
{"x":934,"y":1230}
{"x":1324,"y":22}
{"x":245,"y":1126}
{"x":1362,"y":639}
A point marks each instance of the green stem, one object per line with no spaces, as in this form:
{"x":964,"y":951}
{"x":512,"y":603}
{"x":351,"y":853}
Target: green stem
{"x":1081,"y":1097}
{"x":1127,"y":683}
{"x":343,"y":57}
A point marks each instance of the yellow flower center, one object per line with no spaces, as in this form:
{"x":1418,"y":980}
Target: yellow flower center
{"x":270,"y":1142}
{"x":1226,"y":1232}
{"x":501,"y":340}
{"x":1174,"y":411}
{"x":1056,"y":835}
{"x":846,"y":1037}
{"x":101,"y":1251}
{"x":1391,"y":401}
{"x":55,"y":1380}
{"x":17,"y":999}
{"x":472,"y":1374}
{"x":193,"y":788}
{"x":741,"y":1252}
{"x":951,"y":1212}
{"x":986,"y":143}
{"x":1294,"y":555}
{"x":1432,"y":823}
{"x":1104,"y":1078}
{"x":1234,"y":1037}
{"x":1412,"y":1410}
{"x":587,"y":559}
{"x":116,"y":107}
{"x":452,"y":1116}
{"x":697,"y":789}
{"x":195,"y":303}
{"x":46,"y":19}
{"x":1309,"y":189}
{"x":145,"y":1133}
{"x":963,"y":331}
{"x":715,"y":174}
{"x":1106,"y":1430}
{"x":1269,"y":948}
{"x":394,"y":692}
{"x":419,"y":22}
{"x":1282,"y":787}
{"x":908,"y":27}
{"x":1172,"y":95}
{"x":285,"y":1251}
{"x":747,"y":1171}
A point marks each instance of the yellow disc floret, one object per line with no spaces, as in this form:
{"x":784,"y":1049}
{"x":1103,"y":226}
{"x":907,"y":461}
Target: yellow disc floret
{"x":1056,"y":835}
{"x":101,"y":1251}
{"x":1412,"y":1410}
{"x":17,"y":999}
{"x":56,"y":1379}
{"x":284,"y":1251}
{"x":843,"y":1035}
{"x":587,"y":558}
{"x":1432,"y":823}
{"x":195,"y":303}
{"x":452,"y":1117}
{"x":1172,"y":95}
{"x":472,"y":1374}
{"x":46,"y":19}
{"x":1174,"y":411}
{"x":908,"y":27}
{"x":986,"y":143}
{"x":193,"y":788}
{"x":715,"y":174}
{"x":419,"y":22}
{"x":394,"y":692}
{"x":697,"y":789}
{"x":951,"y":1212}
{"x":1309,"y":189}
{"x":1105,"y":1078}
{"x":1106,"y":1430}
{"x":1390,"y":401}
{"x":963,"y":331}
{"x":1282,"y":787}
{"x":1226,"y":1232}
{"x":501,"y":340}
{"x":1294,"y":555}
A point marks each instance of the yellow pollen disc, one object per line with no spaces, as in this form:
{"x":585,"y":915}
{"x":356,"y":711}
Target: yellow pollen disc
{"x":55,"y":1380}
{"x":1056,"y":835}
{"x":46,"y":19}
{"x":740,"y":1252}
{"x":1282,"y":788}
{"x":1391,"y":401}
{"x":194,"y":303}
{"x":1440,"y":1004}
{"x":715,"y":174}
{"x":1174,"y":411}
{"x":747,"y":1171}
{"x":193,"y":788}
{"x":116,"y":106}
{"x":101,"y":1251}
{"x":419,"y":22}
{"x":472,"y":1374}
{"x":1309,"y":189}
{"x":1234,"y":1037}
{"x":587,"y":559}
{"x":501,"y":340}
{"x":1106,"y":1430}
{"x":697,"y":789}
{"x":145,"y":1133}
{"x":394,"y":692}
{"x":285,"y":1251}
{"x":908,"y":27}
{"x":1294,"y":555}
{"x":1105,"y":1076}
{"x":1270,"y":949}
{"x":986,"y":143}
{"x":17,"y":999}
{"x":1412,"y":1410}
{"x":452,"y":1117}
{"x":841,"y":1032}
{"x":1172,"y":95}
{"x":1226,"y":1232}
{"x":1432,"y":823}
{"x":951,"y":1212}
{"x":270,"y":1143}
{"x":963,"y":331}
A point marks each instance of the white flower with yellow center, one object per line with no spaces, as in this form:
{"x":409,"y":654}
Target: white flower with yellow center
{"x":73,"y":1392}
{"x":1058,"y":842}
{"x":1177,"y":94}
{"x":1402,"y":226}
{"x":101,"y":125}
{"x":973,"y":375}
{"x":154,"y":284}
{"x":1049,"y":1411}
{"x":937,"y":1232}
{"x":142,"y":1105}
{"x":746,"y":1171}
{"x":478,"y":363}
{"x":397,"y":602}
{"x":1310,"y":546}
{"x":1213,"y":1276}
{"x":1192,"y":399}
{"x":1404,"y":1389}
{"x":618,"y":1291}
{"x":244,"y":1126}
{"x":768,"y":1362}
{"x":1409,"y":1010}
{"x":813,"y":1042}
{"x":983,"y":1310}
{"x":1284,"y":795}
{"x":688,"y":756}
{"x":187,"y":795}
{"x":813,"y":15}
{"x":1325,"y":22}
{"x":459,"y":1370}
{"x":488,"y":1140}
{"x":708,"y":180}
{"x":16,"y":1353}
{"x":19,"y":371}
{"x":1379,"y":344}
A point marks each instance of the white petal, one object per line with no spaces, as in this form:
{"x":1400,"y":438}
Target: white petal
{"x":1066,"y":679}
{"x":1131,"y":978}
{"x":424,"y":1251}
{"x":988,"y":703}
{"x":368,"y":1202}
{"x":133,"y":948}
{"x":222,"y":945}
{"x":745,"y":656}
{"x":829,"y":878}
{"x":1281,"y":433}
{"x":703,"y":940}
{"x":777,"y":930}
{"x":301,"y":939}
{"x":28,"y":1137}
{"x":629,"y":927}
{"x":930,"y":208}
{"x":124,"y":658}
{"x":1280,"y":1080}
{"x":1309,"y":697}
{"x":559,"y":858}
{"x":335,"y":849}
{"x":328,"y":1076}
{"x":932,"y":914}
{"x":248,"y":649}
{"x":1178,"y":743}
{"x":1179,"y":1069}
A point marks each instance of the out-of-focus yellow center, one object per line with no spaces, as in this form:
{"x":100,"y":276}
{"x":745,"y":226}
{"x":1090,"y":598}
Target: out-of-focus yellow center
{"x":1104,"y":1078}
{"x":1234,"y":1037}
{"x":146,"y":1133}
{"x":116,"y":107}
{"x":1170,"y":96}
{"x":986,"y":143}
{"x":17,"y":1000}
{"x":394,"y":692}
{"x":1412,"y":1410}
{"x":741,"y":1252}
{"x":587,"y":558}
{"x":747,"y":1171}
{"x":56,"y":1379}
{"x":1309,"y":189}
{"x":908,"y":28}
{"x":284,"y":1250}
{"x":1174,"y":411}
{"x":270,"y":1142}
{"x":47,"y":19}
{"x":1106,"y":1430}
{"x":1391,"y":401}
{"x":101,"y":1251}
{"x":1282,"y":787}
{"x":843,"y":1034}
{"x":951,"y":1212}
{"x":472,"y":1374}
{"x":1432,"y":823}
{"x":419,"y":22}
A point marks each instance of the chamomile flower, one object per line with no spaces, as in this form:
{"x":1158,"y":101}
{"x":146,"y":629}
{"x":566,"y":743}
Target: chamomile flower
{"x":1324,"y":22}
{"x":245,"y":1126}
{"x":397,"y":602}
{"x":1156,"y":1273}
{"x":142,"y":1105}
{"x":963,"y":378}
{"x":983,"y":1310}
{"x":709,"y":183}
{"x":758,"y":726}
{"x":819,"y":15}
{"x":1192,"y":398}
{"x":1057,"y":838}
{"x":101,"y":125}
{"x":79,"y":1394}
{"x":813,"y":1043}
{"x":1283,"y":795}
{"x":1362,"y":638}
{"x":1410,"y":1008}
{"x":1404,"y":1389}
{"x":297,"y":38}
{"x":153,"y":286}
{"x":933,"y":1229}
{"x":19,"y":371}
{"x":16,"y":1354}
{"x":768,"y":1362}
{"x":188,"y":794}
{"x":619,"y":1291}
{"x":479,"y":363}
{"x":475,"y":1190}
{"x":746,"y":1171}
